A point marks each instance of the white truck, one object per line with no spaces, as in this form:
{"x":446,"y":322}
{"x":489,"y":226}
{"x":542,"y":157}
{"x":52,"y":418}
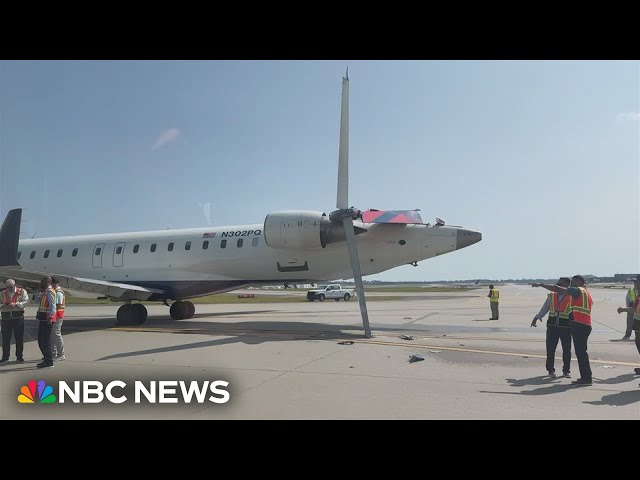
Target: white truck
{"x":334,"y":291}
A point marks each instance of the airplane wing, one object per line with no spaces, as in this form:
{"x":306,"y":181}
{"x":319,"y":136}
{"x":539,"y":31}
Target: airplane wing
{"x":10,"y":268}
{"x":391,"y":216}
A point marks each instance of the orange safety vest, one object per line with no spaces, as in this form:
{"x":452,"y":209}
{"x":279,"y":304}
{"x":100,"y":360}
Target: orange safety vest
{"x":9,"y":312}
{"x":43,"y":308}
{"x":60,"y":306}
{"x":581,"y":307}
{"x":560,"y":313}
{"x":14,"y":299}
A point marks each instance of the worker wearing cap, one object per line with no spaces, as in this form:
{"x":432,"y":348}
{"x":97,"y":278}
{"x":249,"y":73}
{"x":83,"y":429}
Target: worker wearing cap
{"x":57,"y":344}
{"x":12,"y":300}
{"x":632,"y":295}
{"x":559,"y":306}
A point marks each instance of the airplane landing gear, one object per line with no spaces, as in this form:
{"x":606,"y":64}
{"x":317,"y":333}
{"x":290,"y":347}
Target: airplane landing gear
{"x":182,"y":310}
{"x":131,"y":314}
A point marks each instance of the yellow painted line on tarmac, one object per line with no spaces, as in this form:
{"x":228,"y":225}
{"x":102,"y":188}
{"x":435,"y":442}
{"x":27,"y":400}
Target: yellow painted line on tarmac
{"x":490,"y":352}
{"x":367,"y":341}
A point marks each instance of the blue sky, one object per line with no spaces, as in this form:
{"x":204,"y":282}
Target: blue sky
{"x":543,"y":157}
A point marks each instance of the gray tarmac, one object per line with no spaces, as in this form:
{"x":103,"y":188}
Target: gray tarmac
{"x":285,"y":361}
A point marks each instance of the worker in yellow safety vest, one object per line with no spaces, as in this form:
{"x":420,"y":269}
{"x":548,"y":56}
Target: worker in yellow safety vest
{"x":632,"y":295}
{"x":494,"y":299}
{"x":635,"y":312}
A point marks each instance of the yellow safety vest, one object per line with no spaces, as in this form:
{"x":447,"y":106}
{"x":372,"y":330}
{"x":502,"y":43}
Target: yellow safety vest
{"x":495,"y":295}
{"x":632,"y":295}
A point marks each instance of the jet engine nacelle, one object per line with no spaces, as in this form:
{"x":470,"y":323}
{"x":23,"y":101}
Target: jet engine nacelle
{"x":301,"y":229}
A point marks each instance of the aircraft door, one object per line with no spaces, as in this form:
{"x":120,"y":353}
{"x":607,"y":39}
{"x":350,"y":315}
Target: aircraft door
{"x":98,"y":250}
{"x":118,"y":254}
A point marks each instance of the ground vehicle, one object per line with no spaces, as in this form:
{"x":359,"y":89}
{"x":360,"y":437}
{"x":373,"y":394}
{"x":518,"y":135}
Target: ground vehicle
{"x":334,"y":291}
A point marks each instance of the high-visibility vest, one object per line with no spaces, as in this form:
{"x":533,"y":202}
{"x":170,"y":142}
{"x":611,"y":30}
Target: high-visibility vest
{"x":14,"y":299}
{"x":43,"y":308}
{"x":60,"y":306}
{"x":559,"y":314}
{"x":495,"y":295}
{"x":563,"y":310}
{"x":581,"y":307}
{"x":632,"y":295}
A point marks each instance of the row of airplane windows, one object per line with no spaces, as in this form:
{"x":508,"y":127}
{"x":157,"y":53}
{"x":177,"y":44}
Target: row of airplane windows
{"x":153,"y":248}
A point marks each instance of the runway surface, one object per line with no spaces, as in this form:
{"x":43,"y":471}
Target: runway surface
{"x":286,"y":361}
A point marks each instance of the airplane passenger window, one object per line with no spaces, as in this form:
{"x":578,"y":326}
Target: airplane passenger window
{"x":187,"y":246}
{"x":240,"y":242}
{"x":254,"y":242}
{"x":46,"y":254}
{"x":59,"y":253}
{"x":136,"y":248}
{"x":205,"y":244}
{"x":118,"y":250}
{"x":98,"y":250}
{"x":33,"y":254}
{"x":171,"y":247}
{"x":75,"y":252}
{"x":19,"y":255}
{"x":223,"y":244}
{"x":153,"y":247}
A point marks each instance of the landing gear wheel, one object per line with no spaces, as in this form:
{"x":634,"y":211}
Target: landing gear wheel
{"x":179,"y":310}
{"x":347,"y":297}
{"x":139,"y":313}
{"x":191,"y":309}
{"x":321,"y":297}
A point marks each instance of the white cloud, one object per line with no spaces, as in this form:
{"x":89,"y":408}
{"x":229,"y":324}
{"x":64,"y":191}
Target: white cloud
{"x":628,"y":117}
{"x":166,"y":137}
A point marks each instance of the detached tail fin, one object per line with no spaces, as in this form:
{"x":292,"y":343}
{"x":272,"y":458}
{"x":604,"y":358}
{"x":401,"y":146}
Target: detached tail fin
{"x":9,"y":237}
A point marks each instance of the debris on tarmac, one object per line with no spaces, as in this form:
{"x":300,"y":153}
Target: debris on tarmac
{"x":435,"y":351}
{"x":605,"y":366}
{"x":406,"y":337}
{"x":415,"y":358}
{"x":346,"y":342}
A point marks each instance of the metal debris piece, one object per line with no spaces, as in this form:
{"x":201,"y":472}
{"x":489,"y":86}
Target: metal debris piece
{"x":435,"y":351}
{"x":415,"y":358}
{"x":605,"y":366}
{"x":346,"y":342}
{"x":407,"y":337}
{"x":407,"y":318}
{"x":524,"y":356}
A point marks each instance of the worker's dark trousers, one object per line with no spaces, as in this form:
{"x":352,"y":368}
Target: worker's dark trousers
{"x":627,"y":333}
{"x":44,"y":340}
{"x":553,"y":335}
{"x":580,"y":334}
{"x":10,"y":327}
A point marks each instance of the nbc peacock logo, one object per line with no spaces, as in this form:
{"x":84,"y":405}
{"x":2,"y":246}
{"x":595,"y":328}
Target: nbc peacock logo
{"x":28,"y":393}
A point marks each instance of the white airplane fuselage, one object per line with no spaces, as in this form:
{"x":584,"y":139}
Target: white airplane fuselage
{"x":221,"y":259}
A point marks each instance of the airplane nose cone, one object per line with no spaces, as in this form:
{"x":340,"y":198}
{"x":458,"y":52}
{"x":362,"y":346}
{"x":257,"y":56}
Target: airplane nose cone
{"x":467,"y":237}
